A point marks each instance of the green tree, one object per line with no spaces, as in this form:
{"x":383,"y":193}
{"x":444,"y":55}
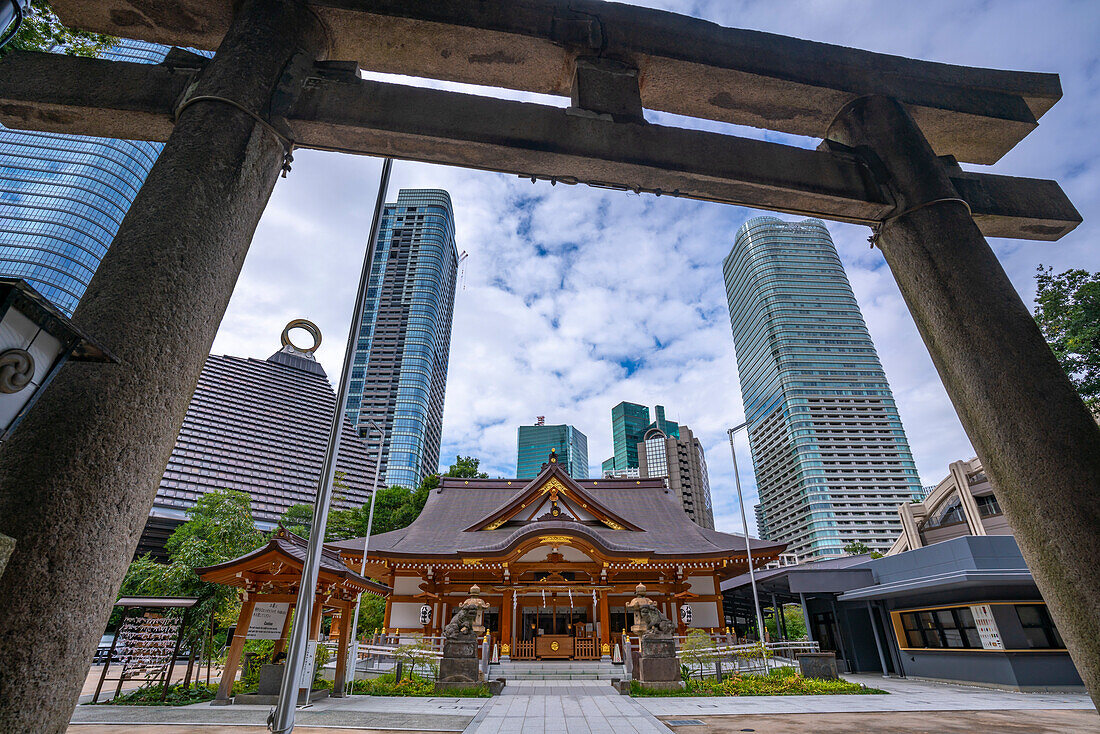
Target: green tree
{"x":219,"y":528}
{"x":298,"y":519}
{"x":42,"y":30}
{"x":1067,"y":309}
{"x":858,"y":548}
{"x":466,"y":466}
{"x":792,"y":617}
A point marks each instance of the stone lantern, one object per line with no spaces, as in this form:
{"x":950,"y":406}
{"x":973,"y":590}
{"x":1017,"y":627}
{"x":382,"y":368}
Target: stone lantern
{"x":36,"y":339}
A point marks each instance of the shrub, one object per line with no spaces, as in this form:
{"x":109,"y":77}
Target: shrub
{"x":784,"y":681}
{"x":149,"y":695}
{"x":413,"y":685}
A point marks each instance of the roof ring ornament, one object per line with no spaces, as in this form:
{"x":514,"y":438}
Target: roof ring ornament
{"x":308,"y":326}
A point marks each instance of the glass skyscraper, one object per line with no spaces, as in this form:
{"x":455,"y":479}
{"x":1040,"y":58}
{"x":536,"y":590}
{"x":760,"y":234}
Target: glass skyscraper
{"x":62,"y":198}
{"x":629,"y":424}
{"x":399,"y":375}
{"x":831,"y":458}
{"x":534,"y":444}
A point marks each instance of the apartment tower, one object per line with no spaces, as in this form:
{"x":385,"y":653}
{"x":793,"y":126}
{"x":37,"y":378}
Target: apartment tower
{"x":831,"y":458}
{"x":399,"y":374}
{"x":679,"y":459}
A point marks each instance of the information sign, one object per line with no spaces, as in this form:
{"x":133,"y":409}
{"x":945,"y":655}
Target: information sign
{"x":987,"y":627}
{"x":267,"y":620}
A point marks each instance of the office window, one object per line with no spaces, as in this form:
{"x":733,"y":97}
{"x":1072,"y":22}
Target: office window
{"x":941,"y":628}
{"x":1038,"y":627}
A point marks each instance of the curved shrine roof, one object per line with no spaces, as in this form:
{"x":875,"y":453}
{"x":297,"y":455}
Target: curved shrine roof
{"x":449,"y":524}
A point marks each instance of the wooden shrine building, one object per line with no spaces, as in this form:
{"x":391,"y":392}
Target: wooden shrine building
{"x":556,"y":559}
{"x":268,"y":578}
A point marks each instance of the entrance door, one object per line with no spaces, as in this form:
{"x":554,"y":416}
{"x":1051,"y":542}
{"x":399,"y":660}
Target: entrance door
{"x":556,"y":633}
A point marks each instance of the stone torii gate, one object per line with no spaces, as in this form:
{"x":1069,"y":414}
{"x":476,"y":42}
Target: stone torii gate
{"x":81,"y":473}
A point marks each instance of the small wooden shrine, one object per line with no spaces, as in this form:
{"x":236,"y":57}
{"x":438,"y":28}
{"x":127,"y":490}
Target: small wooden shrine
{"x":556,"y":560}
{"x":268,"y":578}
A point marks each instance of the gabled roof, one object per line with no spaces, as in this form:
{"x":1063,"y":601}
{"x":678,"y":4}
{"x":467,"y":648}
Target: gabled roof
{"x":285,"y":550}
{"x":456,"y":519}
{"x":556,"y":482}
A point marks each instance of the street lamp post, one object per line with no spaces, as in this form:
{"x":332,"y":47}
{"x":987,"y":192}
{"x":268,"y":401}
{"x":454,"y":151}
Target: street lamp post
{"x":366,"y":542}
{"x":281,"y":719}
{"x":745,"y":527}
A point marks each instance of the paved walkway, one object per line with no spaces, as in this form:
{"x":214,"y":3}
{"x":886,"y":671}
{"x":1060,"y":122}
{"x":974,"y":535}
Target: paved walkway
{"x":904,"y":695}
{"x":564,"y":707}
{"x":593,"y":707}
{"x":1032,"y":721}
{"x":355,"y":712}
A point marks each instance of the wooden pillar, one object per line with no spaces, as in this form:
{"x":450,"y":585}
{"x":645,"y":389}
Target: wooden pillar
{"x":236,"y":646}
{"x":390,"y":582}
{"x":340,"y":679}
{"x":506,"y":641}
{"x":280,"y":644}
{"x":605,"y":623}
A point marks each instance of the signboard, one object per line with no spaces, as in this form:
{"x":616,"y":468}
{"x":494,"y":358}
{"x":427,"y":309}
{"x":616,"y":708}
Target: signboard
{"x":306,"y":681}
{"x":267,"y":620}
{"x":147,"y":642}
{"x":987,"y":627}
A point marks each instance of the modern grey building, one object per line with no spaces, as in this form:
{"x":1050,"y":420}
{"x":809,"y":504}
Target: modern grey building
{"x":534,"y":444}
{"x":681,"y":462}
{"x":831,"y":458}
{"x":63,"y":197}
{"x":261,"y":427}
{"x":965,"y":610}
{"x":399,"y":375}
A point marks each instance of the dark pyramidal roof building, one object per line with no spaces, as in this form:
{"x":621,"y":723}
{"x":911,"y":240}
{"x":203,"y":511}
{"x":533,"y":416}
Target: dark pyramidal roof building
{"x":257,"y":426}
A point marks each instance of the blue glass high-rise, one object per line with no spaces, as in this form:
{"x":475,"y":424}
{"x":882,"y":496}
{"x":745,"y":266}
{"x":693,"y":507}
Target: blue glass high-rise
{"x":399,"y":373}
{"x":63,"y":197}
{"x":534,"y":444}
{"x":831,"y":458}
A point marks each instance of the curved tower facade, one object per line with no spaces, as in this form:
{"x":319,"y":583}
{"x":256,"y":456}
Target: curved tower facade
{"x":399,"y":375}
{"x":63,"y":197}
{"x":831,"y":458}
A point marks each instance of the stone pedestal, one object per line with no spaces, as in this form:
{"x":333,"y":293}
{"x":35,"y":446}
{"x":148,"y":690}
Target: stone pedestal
{"x":818,"y":665}
{"x":459,"y":662}
{"x":658,"y":666}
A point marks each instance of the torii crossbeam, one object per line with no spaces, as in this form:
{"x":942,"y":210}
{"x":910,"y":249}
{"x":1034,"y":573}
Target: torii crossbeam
{"x":83,"y":469}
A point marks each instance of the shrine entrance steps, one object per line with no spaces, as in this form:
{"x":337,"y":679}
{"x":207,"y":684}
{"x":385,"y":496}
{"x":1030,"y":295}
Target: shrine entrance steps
{"x":519,"y":670}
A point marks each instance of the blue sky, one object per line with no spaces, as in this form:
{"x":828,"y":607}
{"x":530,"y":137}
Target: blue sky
{"x":577,"y":298}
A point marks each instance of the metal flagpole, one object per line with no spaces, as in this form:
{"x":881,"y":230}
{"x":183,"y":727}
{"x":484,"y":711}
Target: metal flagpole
{"x":745,"y":526}
{"x":366,"y":542}
{"x":281,"y":720}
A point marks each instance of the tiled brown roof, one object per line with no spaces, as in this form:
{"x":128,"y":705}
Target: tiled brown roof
{"x":666,"y":530}
{"x":294,"y":548}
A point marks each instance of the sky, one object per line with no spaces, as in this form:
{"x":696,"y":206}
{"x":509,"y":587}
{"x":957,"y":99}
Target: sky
{"x":573,"y":299}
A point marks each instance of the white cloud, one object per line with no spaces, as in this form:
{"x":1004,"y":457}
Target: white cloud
{"x":576,"y":298}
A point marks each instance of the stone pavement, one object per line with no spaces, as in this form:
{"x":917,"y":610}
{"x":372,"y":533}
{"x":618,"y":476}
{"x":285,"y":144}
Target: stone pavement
{"x":904,"y":695}
{"x":1032,"y":721}
{"x":593,"y":707}
{"x":574,"y":707}
{"x":356,"y":712}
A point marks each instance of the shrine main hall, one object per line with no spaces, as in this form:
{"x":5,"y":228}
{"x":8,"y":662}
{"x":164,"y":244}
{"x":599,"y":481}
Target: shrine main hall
{"x":556,"y":559}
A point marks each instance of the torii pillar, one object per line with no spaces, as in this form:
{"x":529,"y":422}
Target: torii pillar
{"x":155,"y":302}
{"x":1036,"y":439}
